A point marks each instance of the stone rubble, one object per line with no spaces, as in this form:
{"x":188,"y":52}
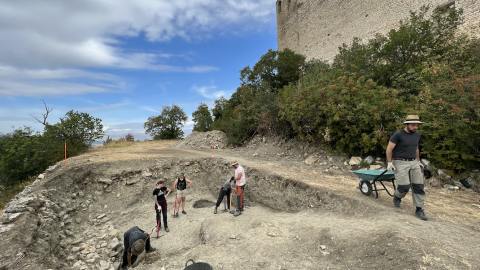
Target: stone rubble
{"x":52,"y":218}
{"x":203,"y":140}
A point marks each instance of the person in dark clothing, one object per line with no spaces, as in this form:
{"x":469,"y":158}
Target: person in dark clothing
{"x":135,"y":241}
{"x":159,"y":197}
{"x":180,"y":186}
{"x":403,"y":157}
{"x":225,"y":190}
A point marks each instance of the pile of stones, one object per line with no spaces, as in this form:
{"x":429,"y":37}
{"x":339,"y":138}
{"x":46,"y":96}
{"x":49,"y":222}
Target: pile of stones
{"x":203,"y":140}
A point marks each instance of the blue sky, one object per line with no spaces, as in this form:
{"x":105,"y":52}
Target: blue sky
{"x":123,"y":62}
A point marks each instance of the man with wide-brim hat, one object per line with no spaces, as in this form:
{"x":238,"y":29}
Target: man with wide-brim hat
{"x":135,"y":241}
{"x":403,"y":157}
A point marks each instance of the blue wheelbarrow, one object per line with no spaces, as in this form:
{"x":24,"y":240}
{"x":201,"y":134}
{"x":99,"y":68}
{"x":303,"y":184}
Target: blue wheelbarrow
{"x":369,"y":179}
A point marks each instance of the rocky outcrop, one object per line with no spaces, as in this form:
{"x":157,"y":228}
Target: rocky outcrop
{"x":46,"y":226}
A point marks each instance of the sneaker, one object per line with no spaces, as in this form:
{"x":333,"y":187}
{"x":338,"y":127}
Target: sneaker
{"x":152,"y":249}
{"x":396,"y":201}
{"x":420,"y":214}
{"x":183,"y":212}
{"x":167,"y":229}
{"x":176,"y":215}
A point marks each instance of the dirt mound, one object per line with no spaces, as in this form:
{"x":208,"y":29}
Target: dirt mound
{"x":203,"y":140}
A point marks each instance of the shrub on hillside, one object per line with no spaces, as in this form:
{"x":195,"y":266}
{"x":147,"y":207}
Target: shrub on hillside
{"x":108,"y":141}
{"x":349,"y":113}
{"x":129,"y":138}
{"x":396,"y":58}
{"x":24,"y":153}
{"x":451,"y":111}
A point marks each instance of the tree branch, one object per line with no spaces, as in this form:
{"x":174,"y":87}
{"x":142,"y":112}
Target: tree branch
{"x":45,"y":115}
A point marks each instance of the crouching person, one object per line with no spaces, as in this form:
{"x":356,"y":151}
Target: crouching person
{"x":135,"y":241}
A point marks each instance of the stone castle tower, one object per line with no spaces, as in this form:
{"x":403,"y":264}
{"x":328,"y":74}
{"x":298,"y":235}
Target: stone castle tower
{"x":316,"y":28}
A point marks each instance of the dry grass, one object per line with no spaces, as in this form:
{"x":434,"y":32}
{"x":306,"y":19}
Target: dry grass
{"x":118,"y":144}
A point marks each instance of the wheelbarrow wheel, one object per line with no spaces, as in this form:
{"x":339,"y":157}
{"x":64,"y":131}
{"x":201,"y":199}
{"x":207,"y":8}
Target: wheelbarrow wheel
{"x":365,"y":187}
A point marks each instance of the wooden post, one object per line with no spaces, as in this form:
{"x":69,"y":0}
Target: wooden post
{"x":65,"y":154}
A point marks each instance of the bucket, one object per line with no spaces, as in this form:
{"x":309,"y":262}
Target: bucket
{"x":197,"y":266}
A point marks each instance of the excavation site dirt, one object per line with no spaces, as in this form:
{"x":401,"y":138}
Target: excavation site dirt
{"x":297,"y":215}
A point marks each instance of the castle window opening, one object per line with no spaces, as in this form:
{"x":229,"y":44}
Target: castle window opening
{"x":279,"y":6}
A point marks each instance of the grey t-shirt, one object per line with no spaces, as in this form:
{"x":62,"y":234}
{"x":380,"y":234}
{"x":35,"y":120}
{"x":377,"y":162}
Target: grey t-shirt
{"x":226,"y":185}
{"x":406,"y":144}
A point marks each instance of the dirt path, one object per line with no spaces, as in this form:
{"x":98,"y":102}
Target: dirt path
{"x":299,"y":216}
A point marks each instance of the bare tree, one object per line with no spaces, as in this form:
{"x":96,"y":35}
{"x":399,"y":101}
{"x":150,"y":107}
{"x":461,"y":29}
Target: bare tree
{"x":45,"y":115}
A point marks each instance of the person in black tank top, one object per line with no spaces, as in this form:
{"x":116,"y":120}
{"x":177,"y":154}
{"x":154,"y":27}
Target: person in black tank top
{"x":180,"y":186}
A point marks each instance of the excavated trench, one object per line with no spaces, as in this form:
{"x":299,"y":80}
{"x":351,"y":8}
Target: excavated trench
{"x":75,"y":219}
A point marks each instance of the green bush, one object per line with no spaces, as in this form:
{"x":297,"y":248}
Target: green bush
{"x":451,"y":111}
{"x":395,"y":59}
{"x":24,"y":153}
{"x":349,"y":113}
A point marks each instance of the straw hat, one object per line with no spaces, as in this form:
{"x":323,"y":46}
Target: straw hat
{"x":138,"y":247}
{"x":233,"y":162}
{"x":412,"y":119}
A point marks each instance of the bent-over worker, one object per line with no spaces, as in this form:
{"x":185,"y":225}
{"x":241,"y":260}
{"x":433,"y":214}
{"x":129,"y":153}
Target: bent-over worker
{"x":135,"y":241}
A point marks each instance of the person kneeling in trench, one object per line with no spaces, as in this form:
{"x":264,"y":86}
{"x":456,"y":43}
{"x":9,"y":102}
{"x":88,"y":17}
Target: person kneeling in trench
{"x":135,"y":241}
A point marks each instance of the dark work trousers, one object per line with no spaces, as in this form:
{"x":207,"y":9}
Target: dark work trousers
{"x":240,"y":190}
{"x":134,"y":257}
{"x":222,"y":194}
{"x":163,"y":204}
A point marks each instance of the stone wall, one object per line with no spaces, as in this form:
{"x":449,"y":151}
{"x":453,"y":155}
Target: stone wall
{"x":316,"y":28}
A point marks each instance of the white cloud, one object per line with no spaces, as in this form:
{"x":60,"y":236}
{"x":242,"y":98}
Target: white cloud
{"x":9,"y":72}
{"x":149,"y":109}
{"x":104,"y":107}
{"x":200,"y":69}
{"x":18,"y":88}
{"x":41,"y":82}
{"x":211,"y":92}
{"x":43,"y":42}
{"x":58,"y":34}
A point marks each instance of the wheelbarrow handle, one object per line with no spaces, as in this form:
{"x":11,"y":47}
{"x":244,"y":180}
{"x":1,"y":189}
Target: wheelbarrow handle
{"x":193,"y":262}
{"x":380,"y":175}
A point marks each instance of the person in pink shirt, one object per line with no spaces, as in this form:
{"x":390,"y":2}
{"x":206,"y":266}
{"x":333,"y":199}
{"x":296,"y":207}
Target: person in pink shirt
{"x":240,"y":183}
